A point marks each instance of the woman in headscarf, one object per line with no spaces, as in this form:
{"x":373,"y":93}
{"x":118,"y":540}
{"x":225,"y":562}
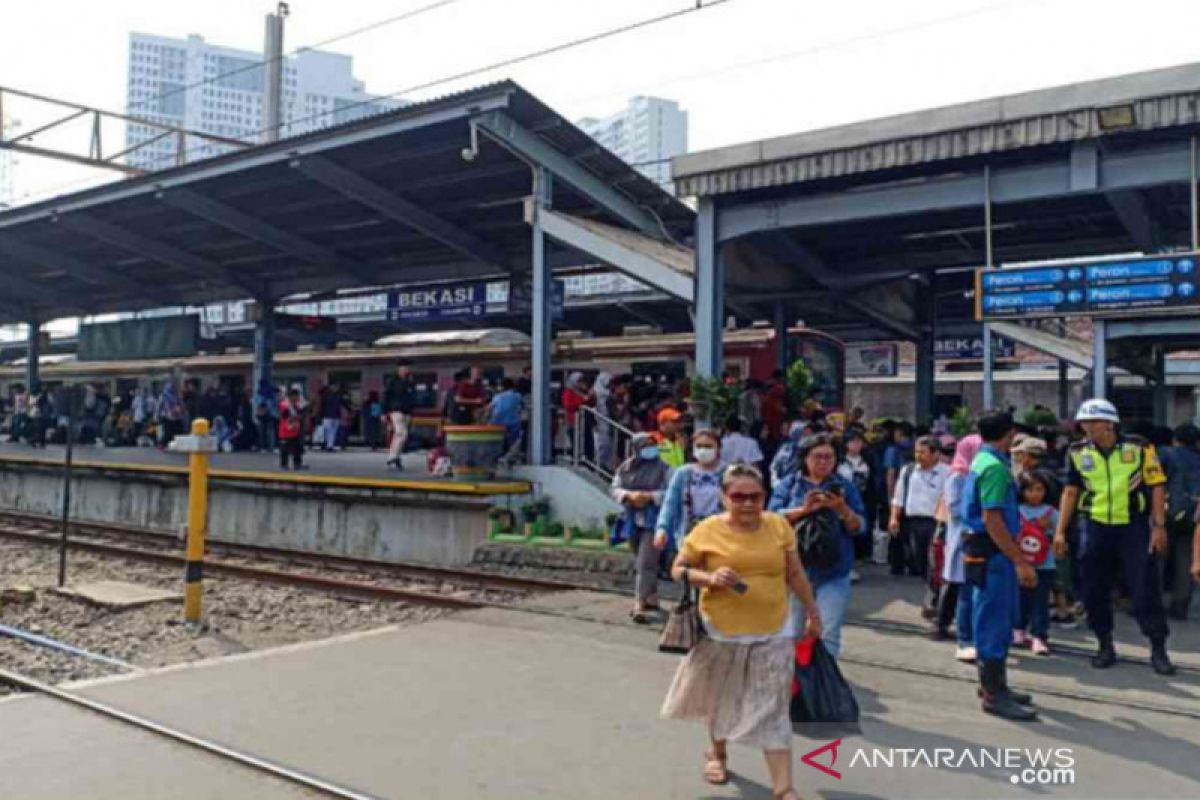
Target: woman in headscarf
{"x":639,"y":485}
{"x":603,"y":434}
{"x":953,"y":602}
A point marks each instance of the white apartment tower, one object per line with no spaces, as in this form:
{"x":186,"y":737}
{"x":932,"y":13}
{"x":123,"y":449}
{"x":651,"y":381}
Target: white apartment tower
{"x":648,"y":133}
{"x":191,"y":84}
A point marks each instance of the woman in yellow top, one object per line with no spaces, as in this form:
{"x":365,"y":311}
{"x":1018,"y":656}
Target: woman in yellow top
{"x":738,"y":679}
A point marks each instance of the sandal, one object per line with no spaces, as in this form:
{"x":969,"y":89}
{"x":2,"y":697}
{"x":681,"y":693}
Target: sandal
{"x":787,"y":794}
{"x":715,"y":770}
{"x":639,"y":617}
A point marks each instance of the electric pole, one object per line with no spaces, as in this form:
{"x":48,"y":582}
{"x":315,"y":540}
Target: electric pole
{"x":273,"y":55}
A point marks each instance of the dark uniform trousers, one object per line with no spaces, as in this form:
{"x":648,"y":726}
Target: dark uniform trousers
{"x":1109,"y":548}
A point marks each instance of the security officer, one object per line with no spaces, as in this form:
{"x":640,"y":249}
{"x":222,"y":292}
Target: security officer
{"x":1118,"y":486}
{"x":994,"y":564}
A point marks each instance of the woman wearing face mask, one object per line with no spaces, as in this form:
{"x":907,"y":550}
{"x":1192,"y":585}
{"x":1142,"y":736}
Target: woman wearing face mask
{"x":694,"y":493}
{"x":817,"y":489}
{"x":639,"y":485}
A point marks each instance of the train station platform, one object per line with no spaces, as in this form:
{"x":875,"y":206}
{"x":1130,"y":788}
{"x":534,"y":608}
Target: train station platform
{"x":508,"y":704}
{"x":348,"y":504}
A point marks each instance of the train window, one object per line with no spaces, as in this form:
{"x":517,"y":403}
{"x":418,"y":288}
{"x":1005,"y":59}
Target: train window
{"x":427,"y":389}
{"x":658,"y":371}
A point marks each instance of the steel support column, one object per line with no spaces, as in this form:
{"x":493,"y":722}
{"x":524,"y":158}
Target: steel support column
{"x":541,"y":438}
{"x":1064,"y":404}
{"x":1161,"y":392}
{"x":1099,"y":359}
{"x":925,"y":386}
{"x":710,"y":292}
{"x":781,"y":336}
{"x":33,"y":353}
{"x":989,"y":367}
{"x":264,"y":346}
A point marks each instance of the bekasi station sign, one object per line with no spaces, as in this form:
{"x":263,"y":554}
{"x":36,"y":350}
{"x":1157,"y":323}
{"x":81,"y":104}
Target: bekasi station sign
{"x":1088,"y":288}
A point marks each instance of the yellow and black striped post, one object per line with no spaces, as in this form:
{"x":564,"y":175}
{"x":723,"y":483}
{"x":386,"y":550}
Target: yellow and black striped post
{"x":196,"y":523}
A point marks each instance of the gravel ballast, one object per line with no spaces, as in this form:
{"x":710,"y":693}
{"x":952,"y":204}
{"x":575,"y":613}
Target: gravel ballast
{"x":241,"y":616}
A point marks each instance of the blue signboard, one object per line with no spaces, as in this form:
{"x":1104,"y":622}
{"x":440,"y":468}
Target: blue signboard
{"x":438,"y":302}
{"x":1095,"y":289}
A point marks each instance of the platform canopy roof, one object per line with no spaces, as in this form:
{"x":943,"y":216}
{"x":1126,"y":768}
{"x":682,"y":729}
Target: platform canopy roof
{"x":857,"y":227}
{"x":432,"y":192}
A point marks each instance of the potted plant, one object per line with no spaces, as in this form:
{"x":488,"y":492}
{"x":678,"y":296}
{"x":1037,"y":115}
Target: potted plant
{"x":713,"y":399}
{"x":799,"y":383}
{"x":961,"y":422}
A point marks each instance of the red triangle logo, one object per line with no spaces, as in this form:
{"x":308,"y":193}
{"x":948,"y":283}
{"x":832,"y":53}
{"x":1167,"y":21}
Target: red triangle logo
{"x":832,"y":747}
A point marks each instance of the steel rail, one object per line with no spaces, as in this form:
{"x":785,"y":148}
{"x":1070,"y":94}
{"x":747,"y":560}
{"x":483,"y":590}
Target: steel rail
{"x":316,"y":559}
{"x":70,"y":649}
{"x":260,"y":574}
{"x":223,"y":751}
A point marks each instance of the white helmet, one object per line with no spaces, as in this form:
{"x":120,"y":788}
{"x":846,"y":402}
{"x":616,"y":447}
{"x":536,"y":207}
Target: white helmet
{"x":1097,"y":409}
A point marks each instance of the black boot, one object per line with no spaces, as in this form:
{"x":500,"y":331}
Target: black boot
{"x":1159,"y":658}
{"x":1106,"y":654}
{"x":1024,"y":698}
{"x":995,"y":700}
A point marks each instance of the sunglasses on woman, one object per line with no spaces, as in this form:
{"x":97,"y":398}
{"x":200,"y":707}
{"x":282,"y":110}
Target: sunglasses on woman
{"x":746,"y":497}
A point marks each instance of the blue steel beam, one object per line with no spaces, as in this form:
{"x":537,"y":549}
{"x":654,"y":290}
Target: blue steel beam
{"x":253,"y":228}
{"x":354,"y":186}
{"x":158,"y":251}
{"x":789,"y":251}
{"x":1145,"y":167}
{"x":709,"y":303}
{"x":281,"y":153}
{"x":533,"y":148}
{"x":101,"y":276}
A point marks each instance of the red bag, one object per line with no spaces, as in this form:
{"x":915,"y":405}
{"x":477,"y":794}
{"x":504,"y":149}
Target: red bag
{"x":1032,"y":539}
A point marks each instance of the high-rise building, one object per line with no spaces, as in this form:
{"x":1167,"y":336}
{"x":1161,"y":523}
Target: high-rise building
{"x":7,"y":165}
{"x":648,"y":133}
{"x":189,"y":83}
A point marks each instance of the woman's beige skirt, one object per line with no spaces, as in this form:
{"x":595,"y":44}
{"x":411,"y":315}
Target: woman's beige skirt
{"x":742,"y":691}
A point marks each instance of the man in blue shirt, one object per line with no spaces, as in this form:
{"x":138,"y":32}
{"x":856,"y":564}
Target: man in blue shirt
{"x":505,"y":409}
{"x":994,"y":564}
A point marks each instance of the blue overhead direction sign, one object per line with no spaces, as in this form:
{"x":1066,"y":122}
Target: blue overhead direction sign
{"x":1099,"y":288}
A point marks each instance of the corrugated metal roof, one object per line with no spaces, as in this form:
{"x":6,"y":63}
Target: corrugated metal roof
{"x":1160,"y":98}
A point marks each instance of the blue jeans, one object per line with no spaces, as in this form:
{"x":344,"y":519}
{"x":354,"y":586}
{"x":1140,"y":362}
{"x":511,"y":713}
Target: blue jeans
{"x":996,"y":608}
{"x":1035,"y":606}
{"x":833,"y":598}
{"x":964,"y":622}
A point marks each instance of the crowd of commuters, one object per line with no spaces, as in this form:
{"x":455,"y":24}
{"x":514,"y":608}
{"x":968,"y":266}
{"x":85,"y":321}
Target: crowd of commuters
{"x":1010,"y":530}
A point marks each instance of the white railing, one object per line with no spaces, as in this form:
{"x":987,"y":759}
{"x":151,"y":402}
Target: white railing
{"x":600,"y":443}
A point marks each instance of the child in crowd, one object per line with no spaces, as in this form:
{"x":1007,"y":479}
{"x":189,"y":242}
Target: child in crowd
{"x":1039,"y":520}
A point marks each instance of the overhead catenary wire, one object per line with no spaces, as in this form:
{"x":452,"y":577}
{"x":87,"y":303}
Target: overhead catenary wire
{"x":261,"y":64}
{"x":410,"y":14}
{"x":500,"y":64}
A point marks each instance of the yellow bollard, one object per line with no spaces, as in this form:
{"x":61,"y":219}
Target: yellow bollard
{"x":196,"y":522}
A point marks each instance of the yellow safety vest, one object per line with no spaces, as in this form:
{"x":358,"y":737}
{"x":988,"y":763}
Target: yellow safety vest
{"x":1115,"y":485}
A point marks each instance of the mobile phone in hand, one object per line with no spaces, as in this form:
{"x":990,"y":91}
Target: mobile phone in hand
{"x":740,"y":587}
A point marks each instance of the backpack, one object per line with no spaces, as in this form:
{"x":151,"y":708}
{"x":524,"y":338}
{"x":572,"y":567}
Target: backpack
{"x":1034,"y":544}
{"x":818,"y":540}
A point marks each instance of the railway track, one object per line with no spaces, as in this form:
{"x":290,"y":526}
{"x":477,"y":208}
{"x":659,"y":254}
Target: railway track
{"x":160,"y":548}
{"x":17,"y":526}
{"x":249,"y":760}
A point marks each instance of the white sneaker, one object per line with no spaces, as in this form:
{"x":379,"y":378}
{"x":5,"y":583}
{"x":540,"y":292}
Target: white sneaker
{"x":855,"y":577}
{"x":967,"y":655}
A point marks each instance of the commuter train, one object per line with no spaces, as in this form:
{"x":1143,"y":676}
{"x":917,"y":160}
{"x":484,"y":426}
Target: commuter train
{"x":435,"y":357}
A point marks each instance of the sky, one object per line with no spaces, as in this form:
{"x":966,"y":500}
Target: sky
{"x":744,"y":69}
